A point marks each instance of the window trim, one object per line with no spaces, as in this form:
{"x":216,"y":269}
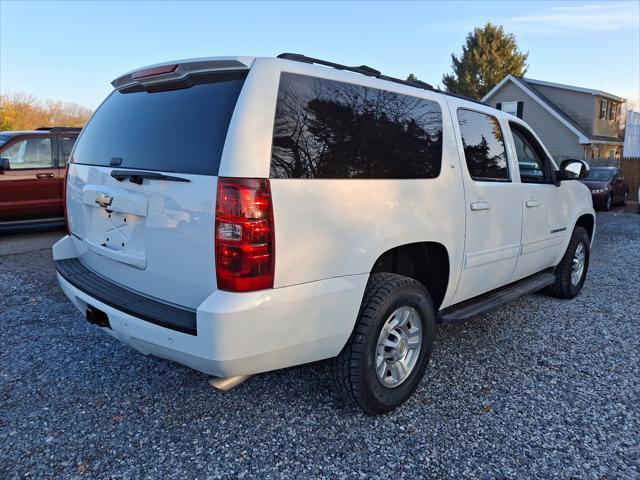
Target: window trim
{"x":509,"y":178}
{"x":549,"y":178}
{"x":20,"y":138}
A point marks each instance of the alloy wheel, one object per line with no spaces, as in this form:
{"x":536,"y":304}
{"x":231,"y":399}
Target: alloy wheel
{"x":577,"y":264}
{"x":398,"y":347}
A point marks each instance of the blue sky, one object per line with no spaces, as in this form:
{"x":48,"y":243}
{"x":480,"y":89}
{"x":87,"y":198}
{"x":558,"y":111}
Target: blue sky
{"x":70,"y":51}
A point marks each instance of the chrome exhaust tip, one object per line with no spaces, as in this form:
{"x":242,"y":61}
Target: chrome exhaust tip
{"x":227,"y":383}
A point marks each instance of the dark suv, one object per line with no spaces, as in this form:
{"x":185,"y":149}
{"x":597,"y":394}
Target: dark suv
{"x":32,"y":170}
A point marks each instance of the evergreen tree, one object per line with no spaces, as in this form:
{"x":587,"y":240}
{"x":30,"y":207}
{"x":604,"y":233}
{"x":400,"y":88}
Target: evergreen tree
{"x":488,"y":55}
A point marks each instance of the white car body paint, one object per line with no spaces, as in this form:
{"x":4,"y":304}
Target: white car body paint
{"x":328,"y":235}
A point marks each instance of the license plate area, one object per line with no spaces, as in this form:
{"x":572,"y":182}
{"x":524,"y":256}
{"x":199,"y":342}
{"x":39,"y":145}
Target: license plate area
{"x":114,"y":221}
{"x":115,"y":230}
{"x":115,"y":235}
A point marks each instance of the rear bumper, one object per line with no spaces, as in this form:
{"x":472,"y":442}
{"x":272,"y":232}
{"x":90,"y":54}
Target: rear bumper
{"x":242,"y":333}
{"x":166,"y":315}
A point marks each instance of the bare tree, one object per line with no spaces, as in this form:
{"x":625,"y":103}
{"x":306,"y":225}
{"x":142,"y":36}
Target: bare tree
{"x":23,"y":111}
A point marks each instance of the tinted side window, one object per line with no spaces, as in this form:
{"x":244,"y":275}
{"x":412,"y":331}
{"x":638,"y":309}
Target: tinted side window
{"x":329,"y":129}
{"x":483,"y":146}
{"x":29,"y":153}
{"x":181,"y":130}
{"x":66,"y":144}
{"x":532,"y":161}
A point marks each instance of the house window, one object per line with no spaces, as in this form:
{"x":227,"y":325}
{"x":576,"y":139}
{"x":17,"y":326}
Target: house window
{"x":514,"y":108}
{"x":611,"y":111}
{"x":510,"y":107}
{"x":603,"y":109}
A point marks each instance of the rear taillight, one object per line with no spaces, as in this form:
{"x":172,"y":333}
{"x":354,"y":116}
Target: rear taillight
{"x":244,"y":238}
{"x":64,"y":198}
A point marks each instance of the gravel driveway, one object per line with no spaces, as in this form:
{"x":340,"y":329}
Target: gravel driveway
{"x":543,"y":388}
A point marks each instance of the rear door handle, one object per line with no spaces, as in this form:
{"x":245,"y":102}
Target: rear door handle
{"x":480,"y":206}
{"x":44,"y":175}
{"x":531,"y":203}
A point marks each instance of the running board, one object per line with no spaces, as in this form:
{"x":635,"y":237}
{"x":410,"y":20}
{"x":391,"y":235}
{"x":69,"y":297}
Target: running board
{"x":495,"y":298}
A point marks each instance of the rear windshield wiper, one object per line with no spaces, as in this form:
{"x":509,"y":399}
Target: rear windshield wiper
{"x":136,"y":176}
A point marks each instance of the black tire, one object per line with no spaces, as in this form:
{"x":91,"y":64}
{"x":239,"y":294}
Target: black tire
{"x":353,"y":370}
{"x":563,"y":287}
{"x":608,"y":202}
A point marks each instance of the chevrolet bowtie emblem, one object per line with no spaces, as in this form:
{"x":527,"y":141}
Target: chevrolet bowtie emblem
{"x":103,"y":200}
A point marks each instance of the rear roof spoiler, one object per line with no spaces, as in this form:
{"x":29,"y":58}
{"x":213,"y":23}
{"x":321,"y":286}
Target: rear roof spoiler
{"x":183,"y":68}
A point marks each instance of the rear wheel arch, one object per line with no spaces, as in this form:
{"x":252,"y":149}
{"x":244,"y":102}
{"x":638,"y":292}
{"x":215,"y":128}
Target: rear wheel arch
{"x":426,"y":262}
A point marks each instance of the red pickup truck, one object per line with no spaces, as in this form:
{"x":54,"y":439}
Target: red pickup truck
{"x":32,"y":171}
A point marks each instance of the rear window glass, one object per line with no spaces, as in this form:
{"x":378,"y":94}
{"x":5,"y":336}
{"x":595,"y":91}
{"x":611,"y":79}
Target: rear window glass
{"x":329,"y":129}
{"x":4,"y":139}
{"x":180,"y":131}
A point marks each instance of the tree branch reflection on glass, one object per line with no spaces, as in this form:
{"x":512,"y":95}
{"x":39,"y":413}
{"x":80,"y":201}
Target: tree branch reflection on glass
{"x":329,"y":129}
{"x":483,"y":145}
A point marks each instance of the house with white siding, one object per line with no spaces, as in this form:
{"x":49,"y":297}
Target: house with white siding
{"x":573,"y":122}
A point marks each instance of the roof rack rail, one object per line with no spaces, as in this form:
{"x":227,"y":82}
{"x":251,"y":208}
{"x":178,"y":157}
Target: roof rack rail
{"x":59,"y":129}
{"x":371,"y":72}
{"x":362,"y":69}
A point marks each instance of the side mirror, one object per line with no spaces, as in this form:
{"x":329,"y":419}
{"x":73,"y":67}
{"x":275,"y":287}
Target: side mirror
{"x":4,"y":164}
{"x":573,"y":169}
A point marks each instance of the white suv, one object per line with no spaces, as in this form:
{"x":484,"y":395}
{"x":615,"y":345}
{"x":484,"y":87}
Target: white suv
{"x":239,"y":215}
